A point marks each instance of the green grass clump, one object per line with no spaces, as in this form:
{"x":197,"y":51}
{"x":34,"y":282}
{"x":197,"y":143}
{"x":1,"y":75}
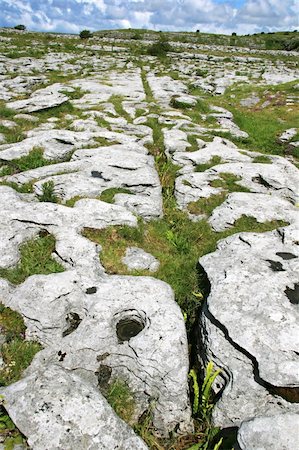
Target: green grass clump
{"x":117,"y":100}
{"x":33,"y":160}
{"x":48,"y":193}
{"x":11,"y":324}
{"x":228,"y":182}
{"x":160,"y":48}
{"x":17,"y":353}
{"x":9,"y":433}
{"x":25,"y":188}
{"x":17,"y":356}
{"x":262,"y":159}
{"x":35,"y":259}
{"x":121,"y":398}
{"x":206,"y":205}
{"x":108,"y":194}
{"x":205,"y":166}
{"x":6,"y":113}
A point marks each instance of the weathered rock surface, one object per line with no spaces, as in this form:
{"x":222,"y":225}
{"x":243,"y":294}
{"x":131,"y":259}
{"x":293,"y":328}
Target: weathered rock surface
{"x":66,"y":412}
{"x":137,"y":259}
{"x":96,"y":328}
{"x":114,"y":324}
{"x":272,"y":432}
{"x":90,"y":172}
{"x":41,"y":99}
{"x":288,"y":135}
{"x":263,"y":207}
{"x":250,"y":324}
{"x":164,"y":88}
{"x":21,"y":220}
{"x":59,"y":144}
{"x":280,"y":179}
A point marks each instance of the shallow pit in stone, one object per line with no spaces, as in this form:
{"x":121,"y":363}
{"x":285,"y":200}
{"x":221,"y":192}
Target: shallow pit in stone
{"x":128,"y":326}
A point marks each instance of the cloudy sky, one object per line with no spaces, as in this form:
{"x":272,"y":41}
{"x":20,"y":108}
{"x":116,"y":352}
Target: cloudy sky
{"x":216,"y":16}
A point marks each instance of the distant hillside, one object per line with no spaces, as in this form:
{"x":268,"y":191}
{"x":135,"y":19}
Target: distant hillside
{"x":282,"y":40}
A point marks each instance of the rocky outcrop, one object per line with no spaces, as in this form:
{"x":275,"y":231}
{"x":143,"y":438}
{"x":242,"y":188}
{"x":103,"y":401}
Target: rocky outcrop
{"x":66,"y":412}
{"x":250,"y":324}
{"x":92,"y":323}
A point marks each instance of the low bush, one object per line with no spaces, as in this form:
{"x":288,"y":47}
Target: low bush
{"x":292,"y":44}
{"x":85,"y":34}
{"x":20,"y":27}
{"x":159,"y":48}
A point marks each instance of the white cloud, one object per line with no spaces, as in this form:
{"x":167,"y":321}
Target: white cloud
{"x":99,"y":4}
{"x":220,"y":16}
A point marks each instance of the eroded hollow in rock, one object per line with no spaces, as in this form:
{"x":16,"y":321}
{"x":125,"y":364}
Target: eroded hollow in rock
{"x":129,"y":325}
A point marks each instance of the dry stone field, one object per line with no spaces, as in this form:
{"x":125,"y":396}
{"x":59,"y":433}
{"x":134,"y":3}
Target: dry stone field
{"x":148,"y":245}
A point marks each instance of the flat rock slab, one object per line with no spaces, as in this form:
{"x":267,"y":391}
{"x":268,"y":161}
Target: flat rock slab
{"x":66,"y":413}
{"x":263,"y":207}
{"x":278,"y":432}
{"x":252,"y":307}
{"x":41,"y":99}
{"x":137,"y":259}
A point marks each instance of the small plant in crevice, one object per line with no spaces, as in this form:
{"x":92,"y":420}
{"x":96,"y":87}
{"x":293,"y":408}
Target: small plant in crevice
{"x":48,"y":193}
{"x":203,"y":406}
{"x":159,"y":48}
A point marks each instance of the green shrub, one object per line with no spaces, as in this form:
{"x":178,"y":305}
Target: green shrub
{"x":20,"y":27}
{"x":85,"y":34}
{"x":159,"y":48}
{"x":292,"y":44}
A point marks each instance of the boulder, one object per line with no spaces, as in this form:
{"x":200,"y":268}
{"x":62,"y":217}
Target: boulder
{"x":55,"y":409}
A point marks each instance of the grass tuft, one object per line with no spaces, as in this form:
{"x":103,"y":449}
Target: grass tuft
{"x":35,"y":259}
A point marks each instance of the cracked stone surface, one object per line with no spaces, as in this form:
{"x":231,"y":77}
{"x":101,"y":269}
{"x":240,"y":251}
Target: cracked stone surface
{"x":278,"y":179}
{"x":76,"y":417}
{"x":255,"y":277}
{"x":90,"y":172}
{"x":263,"y":433}
{"x":154,"y":361}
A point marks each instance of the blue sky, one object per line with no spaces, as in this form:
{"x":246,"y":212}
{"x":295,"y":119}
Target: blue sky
{"x":216,"y":16}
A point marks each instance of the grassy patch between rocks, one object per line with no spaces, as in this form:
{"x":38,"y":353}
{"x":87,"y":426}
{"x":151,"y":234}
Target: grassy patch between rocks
{"x":109,"y":194}
{"x":35,"y":259}
{"x":177,"y":243}
{"x":205,"y":166}
{"x":17,"y":353}
{"x":120,"y":397}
